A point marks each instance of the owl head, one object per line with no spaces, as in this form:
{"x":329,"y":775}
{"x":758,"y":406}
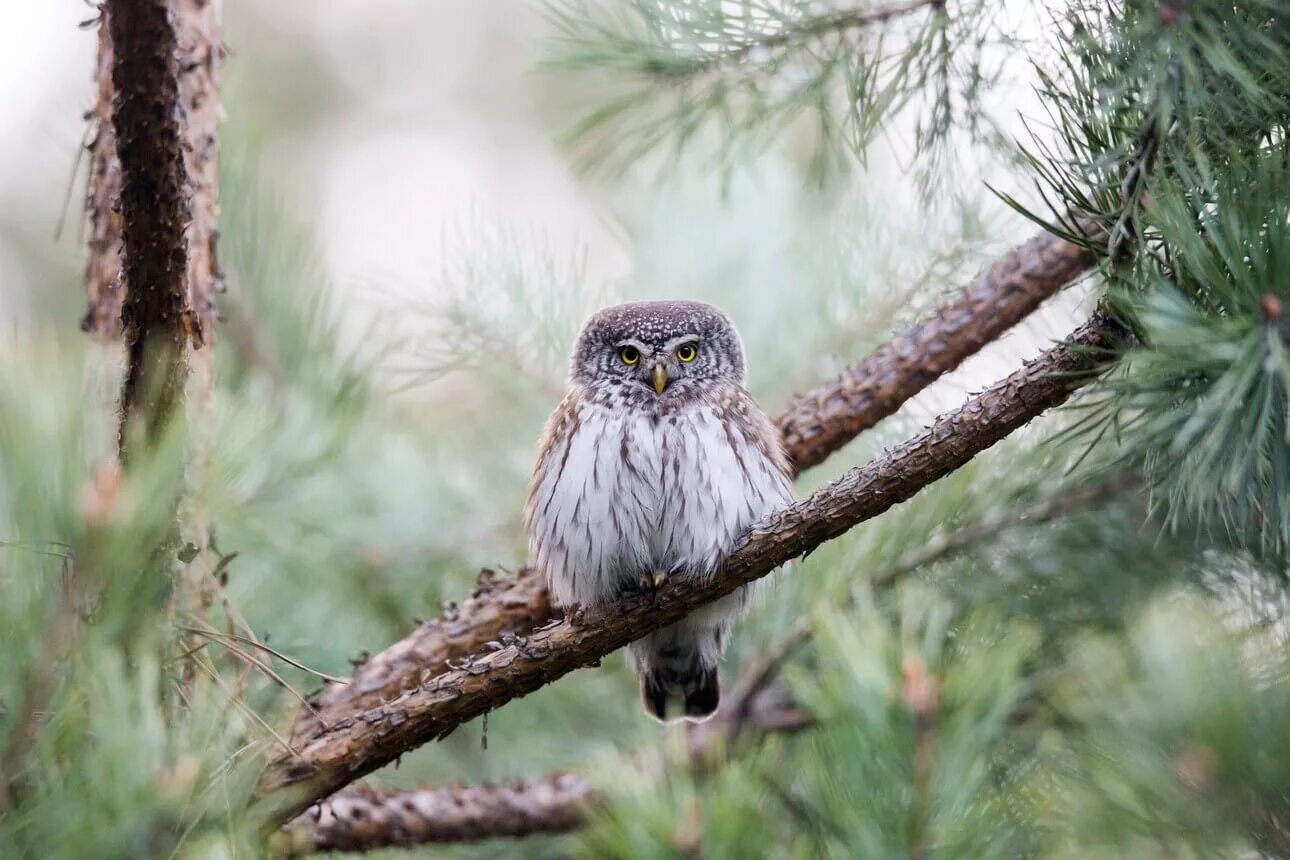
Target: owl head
{"x":664,"y":349}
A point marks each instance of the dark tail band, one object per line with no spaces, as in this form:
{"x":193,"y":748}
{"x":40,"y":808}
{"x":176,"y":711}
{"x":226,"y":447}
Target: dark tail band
{"x":695,"y":695}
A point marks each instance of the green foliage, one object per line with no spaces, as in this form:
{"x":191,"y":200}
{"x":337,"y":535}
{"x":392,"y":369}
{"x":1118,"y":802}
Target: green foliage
{"x":1072,"y":646}
{"x":97,"y":755}
{"x":1171,"y":124}
{"x":913,"y":720}
{"x":917,"y":717}
{"x":731,"y":78}
{"x":1205,"y":400}
{"x":1181,"y":735}
{"x":1141,"y":91}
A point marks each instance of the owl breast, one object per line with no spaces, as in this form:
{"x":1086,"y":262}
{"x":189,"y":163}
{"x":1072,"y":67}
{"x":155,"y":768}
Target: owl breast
{"x":621,"y":490}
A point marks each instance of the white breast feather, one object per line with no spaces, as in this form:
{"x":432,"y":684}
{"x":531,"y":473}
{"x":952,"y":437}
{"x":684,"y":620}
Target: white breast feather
{"x":628,"y":493}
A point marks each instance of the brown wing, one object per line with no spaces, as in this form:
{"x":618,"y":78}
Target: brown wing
{"x":553,"y":448}
{"x":743,"y":414}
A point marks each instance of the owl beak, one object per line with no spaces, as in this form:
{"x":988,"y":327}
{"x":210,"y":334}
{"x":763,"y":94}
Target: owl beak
{"x":660,"y":378}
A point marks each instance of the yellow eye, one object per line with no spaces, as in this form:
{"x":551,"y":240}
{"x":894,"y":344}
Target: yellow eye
{"x":686,"y":353}
{"x":629,"y":355}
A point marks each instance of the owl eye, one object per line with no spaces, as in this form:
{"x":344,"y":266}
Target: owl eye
{"x":629,"y":355}
{"x":686,"y":352}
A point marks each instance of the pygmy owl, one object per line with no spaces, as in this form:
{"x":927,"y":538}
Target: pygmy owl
{"x":652,"y":466}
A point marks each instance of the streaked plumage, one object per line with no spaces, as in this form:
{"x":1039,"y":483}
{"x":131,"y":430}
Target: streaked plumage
{"x":635,"y":481}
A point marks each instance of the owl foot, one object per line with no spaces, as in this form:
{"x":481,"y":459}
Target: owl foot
{"x":651,"y":581}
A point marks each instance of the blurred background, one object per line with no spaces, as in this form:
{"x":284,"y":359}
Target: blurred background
{"x":414,"y":250}
{"x":1073,"y":646}
{"x":388,"y":125}
{"x":411,"y":140}
{"x":396,"y":168}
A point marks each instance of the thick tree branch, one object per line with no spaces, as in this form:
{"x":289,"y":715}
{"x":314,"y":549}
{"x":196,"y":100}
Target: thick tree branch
{"x":339,"y":746}
{"x":198,"y":43}
{"x":815,"y":426}
{"x":757,"y":707}
{"x":153,"y":204}
{"x":876,"y":386}
{"x":366,"y":819}
{"x":154,"y":211}
{"x":103,"y":285}
{"x":496,"y":609}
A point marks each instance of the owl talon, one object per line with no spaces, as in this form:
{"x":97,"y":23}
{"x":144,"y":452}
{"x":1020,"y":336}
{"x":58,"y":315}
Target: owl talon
{"x":651,"y":581}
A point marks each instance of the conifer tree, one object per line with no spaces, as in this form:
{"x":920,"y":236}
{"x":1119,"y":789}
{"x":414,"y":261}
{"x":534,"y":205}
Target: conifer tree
{"x":1048,"y":622}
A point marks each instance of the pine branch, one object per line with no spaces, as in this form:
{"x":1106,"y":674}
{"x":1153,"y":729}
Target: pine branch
{"x":103,"y":268}
{"x":991,"y":527}
{"x":340,"y":745}
{"x":154,"y":212}
{"x":496,"y":609}
{"x":40,"y":682}
{"x":876,"y":386}
{"x":818,"y":424}
{"x":152,"y":202}
{"x":798,"y":33}
{"x":201,"y":54}
{"x":366,"y":819}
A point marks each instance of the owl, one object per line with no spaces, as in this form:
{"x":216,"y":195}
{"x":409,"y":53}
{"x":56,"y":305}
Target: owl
{"x":653,"y":465}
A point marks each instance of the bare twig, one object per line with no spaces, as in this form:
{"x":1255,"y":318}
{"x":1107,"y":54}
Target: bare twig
{"x":200,"y":663}
{"x":260,"y":646}
{"x":247,"y":658}
{"x":758,"y":676}
{"x":359,"y":740}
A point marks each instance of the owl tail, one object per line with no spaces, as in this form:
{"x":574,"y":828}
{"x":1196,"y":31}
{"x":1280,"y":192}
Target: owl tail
{"x":693,"y":693}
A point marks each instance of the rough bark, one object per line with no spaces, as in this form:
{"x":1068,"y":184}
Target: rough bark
{"x":815,"y":426}
{"x":103,"y":286}
{"x":367,"y":819}
{"x":876,"y":386}
{"x":341,"y":745}
{"x":154,"y":212}
{"x":153,"y":205}
{"x":201,"y":54}
{"x":197,"y":24}
{"x":757,"y":705}
{"x":497,"y":609}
